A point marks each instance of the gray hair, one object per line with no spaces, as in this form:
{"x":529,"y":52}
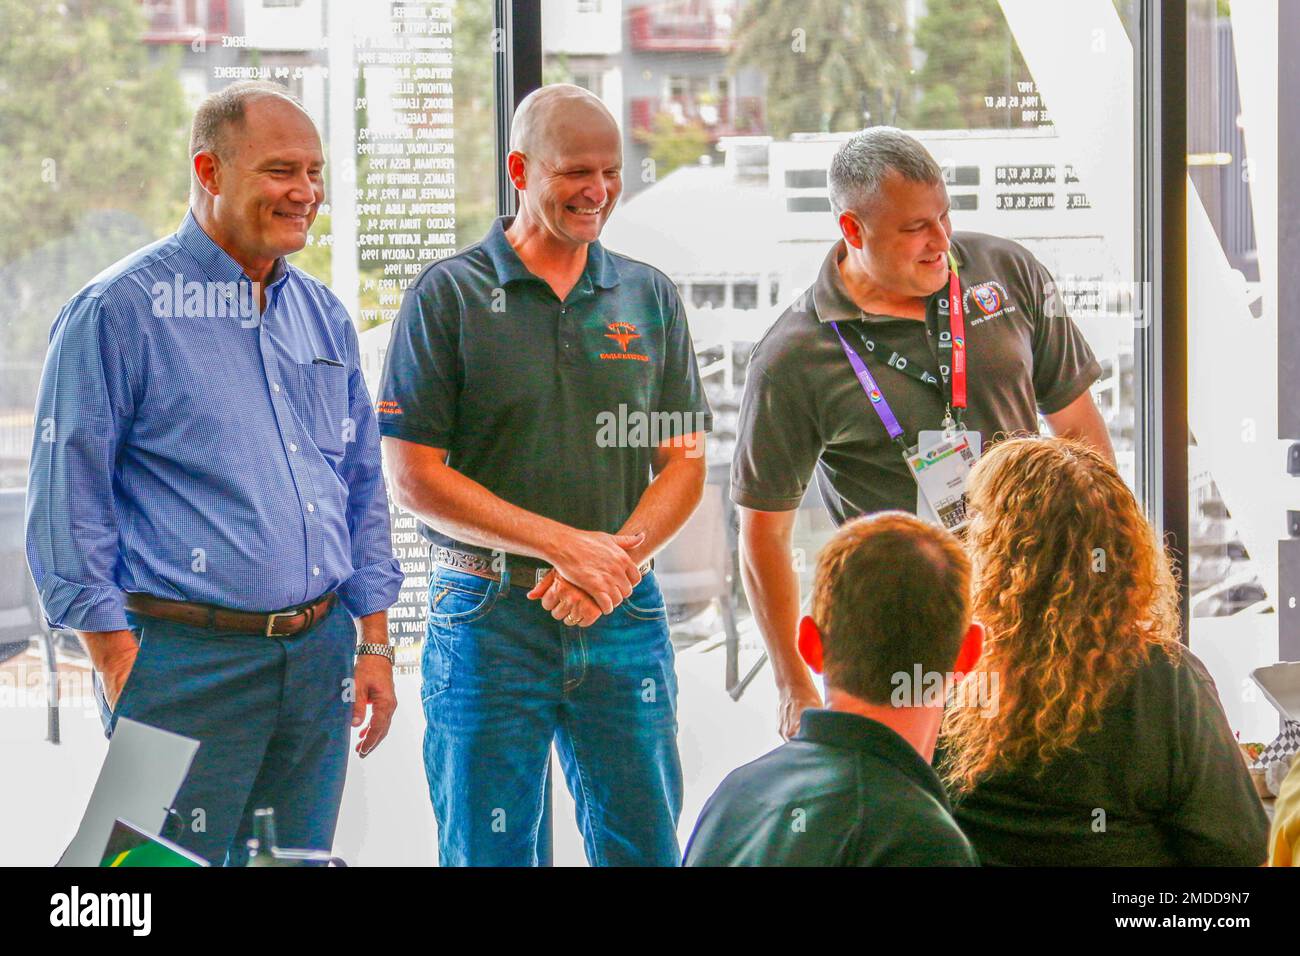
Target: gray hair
{"x":225,"y":108}
{"x":861,"y":165}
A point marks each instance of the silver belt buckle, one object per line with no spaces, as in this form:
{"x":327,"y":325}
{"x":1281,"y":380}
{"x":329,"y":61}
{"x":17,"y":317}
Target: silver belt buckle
{"x":270,"y":620}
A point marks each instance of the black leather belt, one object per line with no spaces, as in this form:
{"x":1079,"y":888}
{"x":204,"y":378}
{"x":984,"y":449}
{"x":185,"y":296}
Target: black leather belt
{"x":523,"y":573}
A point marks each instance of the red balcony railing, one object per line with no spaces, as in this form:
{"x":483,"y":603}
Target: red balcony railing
{"x":183,"y":21}
{"x":693,"y":27}
{"x":724,"y":118}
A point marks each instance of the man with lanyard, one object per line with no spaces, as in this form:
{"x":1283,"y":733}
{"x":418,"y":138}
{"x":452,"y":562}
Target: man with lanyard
{"x":909,"y":336}
{"x":206,"y":506}
{"x":545,"y":620}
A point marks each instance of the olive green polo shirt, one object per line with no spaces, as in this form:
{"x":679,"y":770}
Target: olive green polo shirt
{"x":804,"y":412}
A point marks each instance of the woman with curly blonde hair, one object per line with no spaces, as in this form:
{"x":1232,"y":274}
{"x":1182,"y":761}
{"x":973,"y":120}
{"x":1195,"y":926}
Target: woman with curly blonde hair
{"x":1107,"y":744}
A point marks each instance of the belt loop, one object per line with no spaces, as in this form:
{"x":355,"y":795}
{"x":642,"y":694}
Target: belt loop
{"x":212,"y":617}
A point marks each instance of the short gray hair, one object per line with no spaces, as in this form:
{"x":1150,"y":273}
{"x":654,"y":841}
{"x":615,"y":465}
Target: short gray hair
{"x":226,"y":108}
{"x":223,"y":109}
{"x":861,"y":165}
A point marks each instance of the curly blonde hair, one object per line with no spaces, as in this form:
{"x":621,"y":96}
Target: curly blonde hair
{"x":1075,"y":591}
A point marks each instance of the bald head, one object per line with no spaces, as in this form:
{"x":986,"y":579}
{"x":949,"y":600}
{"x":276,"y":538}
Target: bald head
{"x":552,"y":117}
{"x":566,"y":160}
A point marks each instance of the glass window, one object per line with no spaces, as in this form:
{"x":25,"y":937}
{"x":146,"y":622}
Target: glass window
{"x":402,"y":93}
{"x":708,"y":295}
{"x":744,"y":295}
{"x":1030,"y":152}
{"x":1242,"y":579}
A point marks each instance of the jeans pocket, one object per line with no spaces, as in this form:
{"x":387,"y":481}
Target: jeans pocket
{"x":435,"y":660}
{"x":646,"y":602}
{"x":456,"y":597}
{"x":133,"y":680}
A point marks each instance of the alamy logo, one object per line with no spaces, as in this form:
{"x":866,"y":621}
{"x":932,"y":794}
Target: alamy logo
{"x":922,"y":688}
{"x":103,"y":909}
{"x":200,"y":300}
{"x":632,"y":428}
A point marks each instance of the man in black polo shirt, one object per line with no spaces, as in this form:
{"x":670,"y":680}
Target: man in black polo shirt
{"x":881,"y":299}
{"x":890,"y":623}
{"x":534,"y":384}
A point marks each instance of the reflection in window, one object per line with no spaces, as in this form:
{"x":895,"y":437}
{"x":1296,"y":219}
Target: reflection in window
{"x":708,"y":295}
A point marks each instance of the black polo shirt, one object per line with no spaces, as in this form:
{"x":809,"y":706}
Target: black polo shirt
{"x":803,"y":408}
{"x":845,"y":791}
{"x":1160,"y":783}
{"x":553,"y":406}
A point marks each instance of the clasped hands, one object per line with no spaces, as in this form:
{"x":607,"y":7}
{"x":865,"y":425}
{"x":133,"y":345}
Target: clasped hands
{"x":593,"y":573}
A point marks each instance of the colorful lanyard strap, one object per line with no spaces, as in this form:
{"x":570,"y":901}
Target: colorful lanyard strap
{"x":952,"y":319}
{"x":957,"y":332}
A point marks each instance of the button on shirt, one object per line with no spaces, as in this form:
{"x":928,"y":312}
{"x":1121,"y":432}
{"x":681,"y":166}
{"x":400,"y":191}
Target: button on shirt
{"x":554,"y":406}
{"x":803,"y":409}
{"x":189,"y":449}
{"x":845,"y":791}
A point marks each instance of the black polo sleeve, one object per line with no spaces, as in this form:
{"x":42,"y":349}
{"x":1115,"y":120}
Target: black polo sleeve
{"x":778,"y":444}
{"x":682,"y":396}
{"x":1064,"y":366}
{"x":421,"y":382}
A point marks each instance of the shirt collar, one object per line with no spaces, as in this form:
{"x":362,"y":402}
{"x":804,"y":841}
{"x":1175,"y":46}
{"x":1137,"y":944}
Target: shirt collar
{"x":215,"y":262}
{"x":600,"y":267}
{"x":831,"y":300}
{"x":836,"y":728}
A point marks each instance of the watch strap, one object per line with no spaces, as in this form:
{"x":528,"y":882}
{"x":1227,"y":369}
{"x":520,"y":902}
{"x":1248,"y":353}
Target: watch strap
{"x":378,"y":650}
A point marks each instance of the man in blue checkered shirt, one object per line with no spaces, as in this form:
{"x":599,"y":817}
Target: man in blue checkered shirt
{"x":206,"y":506}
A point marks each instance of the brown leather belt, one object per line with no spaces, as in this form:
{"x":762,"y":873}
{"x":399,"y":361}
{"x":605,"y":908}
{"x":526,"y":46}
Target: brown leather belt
{"x":284,"y":623}
{"x":522,"y":575}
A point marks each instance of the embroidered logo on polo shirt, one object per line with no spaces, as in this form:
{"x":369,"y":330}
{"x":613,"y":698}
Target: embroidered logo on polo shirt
{"x":624,"y":333}
{"x":388,"y":407}
{"x":991,"y":297}
{"x":987,"y":297}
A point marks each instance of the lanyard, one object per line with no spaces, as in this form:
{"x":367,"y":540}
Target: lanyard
{"x":954,"y":312}
{"x":950,"y":315}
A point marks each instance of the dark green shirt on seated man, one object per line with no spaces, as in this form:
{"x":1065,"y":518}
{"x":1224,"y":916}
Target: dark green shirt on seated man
{"x":890,"y":624}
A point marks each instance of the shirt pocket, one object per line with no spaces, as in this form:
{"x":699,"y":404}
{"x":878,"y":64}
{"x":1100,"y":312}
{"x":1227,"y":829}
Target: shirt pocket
{"x":322,"y":404}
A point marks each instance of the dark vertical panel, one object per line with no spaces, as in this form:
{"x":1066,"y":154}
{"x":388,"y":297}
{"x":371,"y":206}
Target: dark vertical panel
{"x":1160,"y":345}
{"x":1172,"y":317}
{"x":518,"y":42}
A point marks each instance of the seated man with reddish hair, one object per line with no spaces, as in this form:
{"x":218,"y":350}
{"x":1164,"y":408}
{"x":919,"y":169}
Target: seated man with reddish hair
{"x":890,"y":623}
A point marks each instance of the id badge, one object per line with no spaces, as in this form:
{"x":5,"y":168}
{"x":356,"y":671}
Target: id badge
{"x":940,"y":464}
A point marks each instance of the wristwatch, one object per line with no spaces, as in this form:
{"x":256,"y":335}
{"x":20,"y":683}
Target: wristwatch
{"x":379,"y":650}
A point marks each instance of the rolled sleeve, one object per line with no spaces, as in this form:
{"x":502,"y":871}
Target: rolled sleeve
{"x":84,"y":409}
{"x":377,"y":575}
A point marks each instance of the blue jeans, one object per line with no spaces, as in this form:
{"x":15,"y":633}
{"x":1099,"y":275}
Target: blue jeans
{"x":272,"y":716}
{"x":502,"y":679}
